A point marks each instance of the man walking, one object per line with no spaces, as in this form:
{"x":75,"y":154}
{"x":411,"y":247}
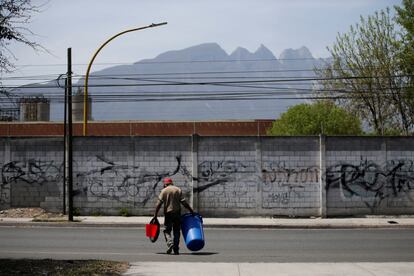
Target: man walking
{"x":171,"y":196}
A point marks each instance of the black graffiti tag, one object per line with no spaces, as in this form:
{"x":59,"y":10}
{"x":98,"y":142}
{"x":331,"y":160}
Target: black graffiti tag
{"x":371,"y":180}
{"x":122,"y":182}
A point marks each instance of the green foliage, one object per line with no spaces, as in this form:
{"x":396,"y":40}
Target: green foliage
{"x":405,"y":18}
{"x":365,"y":75}
{"x":321,"y":117}
{"x":76,"y":212}
{"x":124,"y":212}
{"x":96,"y":213}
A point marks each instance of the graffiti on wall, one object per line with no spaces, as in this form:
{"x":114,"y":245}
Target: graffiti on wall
{"x":284,"y":185}
{"x":138,"y":185}
{"x":280,"y":198}
{"x":123,"y":183}
{"x":228,"y":182}
{"x":33,"y":172}
{"x":281,"y":184}
{"x":279,"y":172}
{"x":116,"y":181}
{"x":372,"y":182}
{"x":213,"y":173}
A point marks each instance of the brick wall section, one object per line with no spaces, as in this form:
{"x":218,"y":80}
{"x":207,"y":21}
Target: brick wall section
{"x":131,"y":128}
{"x":231,"y":176}
{"x":30,"y":129}
{"x":162,"y":129}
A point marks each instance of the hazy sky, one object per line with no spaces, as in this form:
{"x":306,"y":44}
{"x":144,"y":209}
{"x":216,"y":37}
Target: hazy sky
{"x":278,"y":24}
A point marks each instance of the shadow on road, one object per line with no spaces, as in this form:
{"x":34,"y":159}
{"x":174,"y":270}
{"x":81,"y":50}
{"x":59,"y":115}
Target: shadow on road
{"x":192,"y":253}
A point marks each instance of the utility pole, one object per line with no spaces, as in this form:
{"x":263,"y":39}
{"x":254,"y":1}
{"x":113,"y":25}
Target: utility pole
{"x":70,"y":156}
{"x":65,"y":146}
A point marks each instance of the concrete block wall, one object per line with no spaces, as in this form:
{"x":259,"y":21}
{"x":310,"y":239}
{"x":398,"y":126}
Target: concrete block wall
{"x":247,"y":176}
{"x":290,"y":176}
{"x":127,"y":172}
{"x":369,"y":175}
{"x":31,"y":171}
{"x":4,"y":185}
{"x":227,"y":180}
{"x":220,"y":176}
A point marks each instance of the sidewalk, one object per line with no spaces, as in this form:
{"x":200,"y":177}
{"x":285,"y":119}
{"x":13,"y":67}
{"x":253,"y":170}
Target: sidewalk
{"x":266,"y":223}
{"x":269,"y":269}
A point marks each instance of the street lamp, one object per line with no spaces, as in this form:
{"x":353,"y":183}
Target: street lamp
{"x":85,"y":98}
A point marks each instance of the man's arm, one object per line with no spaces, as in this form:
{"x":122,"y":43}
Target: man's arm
{"x":157,"y":208}
{"x":186,"y":205}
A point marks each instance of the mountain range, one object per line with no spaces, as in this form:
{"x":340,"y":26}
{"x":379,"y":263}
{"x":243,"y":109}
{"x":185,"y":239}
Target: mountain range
{"x":201,"y":82}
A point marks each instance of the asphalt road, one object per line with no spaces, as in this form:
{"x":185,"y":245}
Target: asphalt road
{"x":222,"y":245}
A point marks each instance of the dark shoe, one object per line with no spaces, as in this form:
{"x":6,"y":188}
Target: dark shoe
{"x":176,"y":253}
{"x":170,"y":249}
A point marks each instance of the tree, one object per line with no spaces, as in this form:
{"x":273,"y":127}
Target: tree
{"x":405,"y":18}
{"x":365,"y":77}
{"x":321,"y":117}
{"x":14,"y":15}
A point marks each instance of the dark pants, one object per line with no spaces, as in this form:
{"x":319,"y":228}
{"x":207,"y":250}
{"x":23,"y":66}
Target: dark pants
{"x":172,"y":223}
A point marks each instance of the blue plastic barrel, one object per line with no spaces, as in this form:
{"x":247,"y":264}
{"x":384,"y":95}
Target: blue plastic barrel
{"x":192,"y":229}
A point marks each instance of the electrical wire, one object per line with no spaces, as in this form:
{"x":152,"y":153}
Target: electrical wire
{"x":175,"y":62}
{"x":159,"y":82}
{"x":185,"y":74}
{"x":251,"y":87}
{"x":281,"y":93}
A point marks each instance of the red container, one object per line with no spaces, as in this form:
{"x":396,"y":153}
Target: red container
{"x":151,"y":230}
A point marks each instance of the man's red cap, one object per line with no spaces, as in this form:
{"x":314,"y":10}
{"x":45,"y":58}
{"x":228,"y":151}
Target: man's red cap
{"x":167,"y":180}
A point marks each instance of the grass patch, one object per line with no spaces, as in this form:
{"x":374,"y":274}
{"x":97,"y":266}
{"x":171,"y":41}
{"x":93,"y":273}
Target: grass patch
{"x":124,"y":212}
{"x":76,"y":212}
{"x":61,"y":267}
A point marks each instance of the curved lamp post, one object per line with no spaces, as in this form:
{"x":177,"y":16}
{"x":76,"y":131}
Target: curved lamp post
{"x":85,"y":98}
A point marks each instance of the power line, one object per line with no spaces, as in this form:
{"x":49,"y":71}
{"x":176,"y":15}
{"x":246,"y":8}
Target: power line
{"x":46,"y":77}
{"x":100,"y":76}
{"x":220,"y":99}
{"x":175,"y":62}
{"x":185,"y":74}
{"x":161,"y":82}
{"x":283,"y":93}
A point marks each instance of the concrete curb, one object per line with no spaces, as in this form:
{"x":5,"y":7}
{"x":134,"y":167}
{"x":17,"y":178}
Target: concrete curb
{"x":291,"y":225}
